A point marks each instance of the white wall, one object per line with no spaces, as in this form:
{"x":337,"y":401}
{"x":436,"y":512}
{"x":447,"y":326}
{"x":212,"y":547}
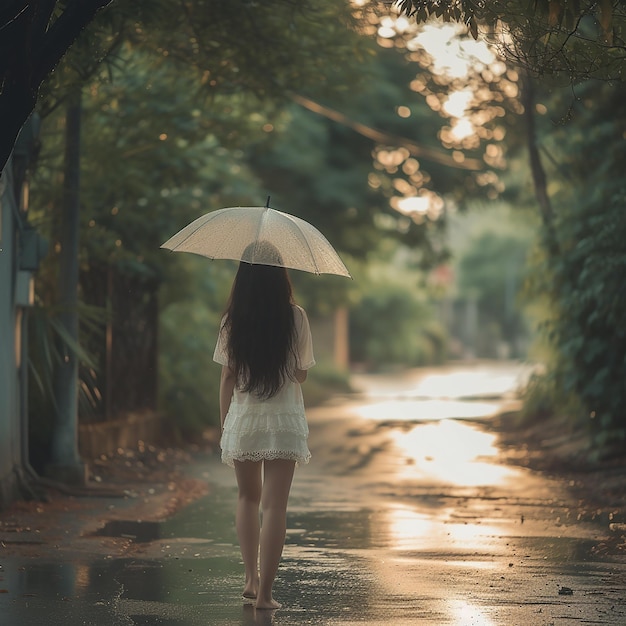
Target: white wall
{"x":10,"y":443}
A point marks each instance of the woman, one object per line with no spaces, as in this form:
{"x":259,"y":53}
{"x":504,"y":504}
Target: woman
{"x":265,"y":349}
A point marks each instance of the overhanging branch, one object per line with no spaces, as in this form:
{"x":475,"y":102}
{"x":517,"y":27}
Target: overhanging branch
{"x":379,"y":136}
{"x":63,"y":32}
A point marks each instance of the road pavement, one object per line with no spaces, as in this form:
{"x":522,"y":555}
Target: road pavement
{"x":407,"y":514}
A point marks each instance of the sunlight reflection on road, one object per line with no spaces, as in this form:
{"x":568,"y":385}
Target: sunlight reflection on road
{"x":422,"y":413}
{"x":464,"y":384}
{"x":426,"y":410}
{"x":412,"y":537}
{"x":409,"y":531}
{"x":450,"y":452}
{"x":406,"y":525}
{"x":464,"y":613}
{"x":452,"y":382}
{"x":456,"y":392}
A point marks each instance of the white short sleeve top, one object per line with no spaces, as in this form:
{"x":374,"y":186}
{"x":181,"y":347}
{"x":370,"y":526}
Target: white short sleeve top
{"x":304,"y":341}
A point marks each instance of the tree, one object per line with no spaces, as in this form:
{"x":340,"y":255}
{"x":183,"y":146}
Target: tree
{"x":577,"y":39}
{"x":260,"y":47}
{"x":161,"y":137}
{"x":36,"y":34}
{"x":574,"y":141}
{"x":152,"y":160}
{"x":584,"y":284}
{"x":344,"y":181}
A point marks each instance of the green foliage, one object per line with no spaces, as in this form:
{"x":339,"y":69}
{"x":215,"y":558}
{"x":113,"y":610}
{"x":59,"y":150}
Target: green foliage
{"x":545,"y":396}
{"x":265,"y":48}
{"x":230,"y":47}
{"x":575,"y":38}
{"x":319,"y":177}
{"x":471,"y":103}
{"x":192,"y":303}
{"x":590,"y":332}
{"x":329,"y":174}
{"x":586,"y":281}
{"x":52,"y":343}
{"x":189,"y":379}
{"x":48,"y":345}
{"x":393,"y":323}
{"x":150,"y":150}
{"x":189,"y":115}
{"x":152,"y":162}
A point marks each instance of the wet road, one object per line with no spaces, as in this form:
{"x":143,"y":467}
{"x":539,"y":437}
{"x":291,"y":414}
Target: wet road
{"x":404,"y":516}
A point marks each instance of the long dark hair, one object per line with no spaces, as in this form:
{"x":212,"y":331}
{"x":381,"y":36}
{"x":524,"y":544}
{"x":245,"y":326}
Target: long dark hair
{"x":260,"y":329}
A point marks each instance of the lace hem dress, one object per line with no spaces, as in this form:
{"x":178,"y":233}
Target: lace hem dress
{"x":255,"y":429}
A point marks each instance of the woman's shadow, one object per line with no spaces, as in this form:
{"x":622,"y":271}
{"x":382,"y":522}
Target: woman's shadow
{"x":252,"y":617}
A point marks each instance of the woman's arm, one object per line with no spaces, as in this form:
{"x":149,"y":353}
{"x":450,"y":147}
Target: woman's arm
{"x":304,"y":346}
{"x":227,"y":386}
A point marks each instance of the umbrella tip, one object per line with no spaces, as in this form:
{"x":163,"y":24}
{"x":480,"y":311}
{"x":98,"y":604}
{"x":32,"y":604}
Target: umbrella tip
{"x":267,"y":204}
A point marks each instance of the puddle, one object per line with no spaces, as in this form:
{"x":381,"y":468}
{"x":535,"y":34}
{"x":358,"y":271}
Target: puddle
{"x":136,"y":531}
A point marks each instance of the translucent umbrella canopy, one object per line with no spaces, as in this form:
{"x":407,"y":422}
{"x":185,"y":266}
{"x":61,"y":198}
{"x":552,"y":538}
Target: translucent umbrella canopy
{"x":261,"y":236}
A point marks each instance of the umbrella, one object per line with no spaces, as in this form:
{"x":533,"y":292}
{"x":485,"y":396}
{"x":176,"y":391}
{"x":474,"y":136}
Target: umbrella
{"x":260,"y":236}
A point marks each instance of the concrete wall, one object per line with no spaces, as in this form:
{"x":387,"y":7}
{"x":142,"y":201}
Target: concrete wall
{"x":10,"y":432}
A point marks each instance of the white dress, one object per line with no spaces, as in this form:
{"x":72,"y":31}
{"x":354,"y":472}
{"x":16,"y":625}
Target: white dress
{"x":276,"y":428}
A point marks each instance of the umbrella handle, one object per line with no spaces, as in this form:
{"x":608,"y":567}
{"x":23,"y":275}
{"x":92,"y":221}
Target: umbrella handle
{"x":267,"y":204}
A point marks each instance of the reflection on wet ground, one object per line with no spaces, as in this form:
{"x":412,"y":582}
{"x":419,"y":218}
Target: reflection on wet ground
{"x":401,"y":518}
{"x":450,"y":452}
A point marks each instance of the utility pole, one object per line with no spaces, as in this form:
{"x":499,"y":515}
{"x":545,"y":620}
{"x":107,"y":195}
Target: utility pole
{"x":66,"y":464}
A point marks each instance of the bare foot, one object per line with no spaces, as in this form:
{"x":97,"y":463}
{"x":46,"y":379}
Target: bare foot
{"x":268,"y":604}
{"x":251,"y":589}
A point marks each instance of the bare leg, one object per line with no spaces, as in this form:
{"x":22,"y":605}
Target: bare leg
{"x":278,"y":475}
{"x":247,"y":521}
